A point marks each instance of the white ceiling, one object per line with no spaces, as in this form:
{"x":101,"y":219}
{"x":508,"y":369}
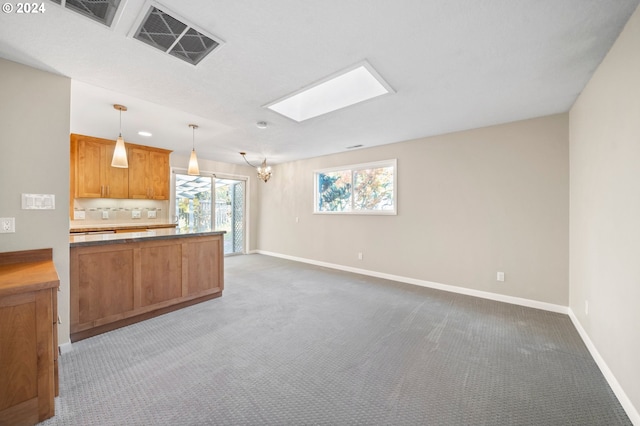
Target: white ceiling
{"x":454,"y":64}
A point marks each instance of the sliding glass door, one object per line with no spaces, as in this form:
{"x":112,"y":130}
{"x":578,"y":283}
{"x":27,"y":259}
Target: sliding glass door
{"x":198,"y":206}
{"x":230,"y":213}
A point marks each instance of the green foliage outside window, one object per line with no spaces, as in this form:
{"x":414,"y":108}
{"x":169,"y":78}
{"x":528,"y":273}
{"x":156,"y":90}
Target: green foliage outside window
{"x":359,"y":189}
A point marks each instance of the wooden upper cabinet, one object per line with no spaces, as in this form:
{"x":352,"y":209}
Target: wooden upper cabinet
{"x":138,"y":175}
{"x":159,"y":174}
{"x":93,"y":177}
{"x":148,"y":173}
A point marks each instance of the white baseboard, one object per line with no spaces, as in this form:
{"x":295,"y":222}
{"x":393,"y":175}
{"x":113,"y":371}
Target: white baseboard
{"x":626,"y":403}
{"x":65,"y":348}
{"x":438,"y":286}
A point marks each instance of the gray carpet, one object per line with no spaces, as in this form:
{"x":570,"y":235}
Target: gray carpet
{"x":294,"y":344}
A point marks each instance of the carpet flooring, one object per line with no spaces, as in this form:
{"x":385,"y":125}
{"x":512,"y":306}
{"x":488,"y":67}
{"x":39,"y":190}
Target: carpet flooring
{"x":294,"y":344}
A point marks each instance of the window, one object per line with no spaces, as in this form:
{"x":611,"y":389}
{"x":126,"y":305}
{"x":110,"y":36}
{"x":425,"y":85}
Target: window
{"x":358,"y":189}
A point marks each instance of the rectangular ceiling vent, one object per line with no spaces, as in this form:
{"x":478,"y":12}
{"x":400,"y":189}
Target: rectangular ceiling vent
{"x":102,"y":11}
{"x":171,"y":35}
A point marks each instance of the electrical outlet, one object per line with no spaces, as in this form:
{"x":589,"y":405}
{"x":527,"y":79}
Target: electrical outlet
{"x":105,"y":214}
{"x":78,"y":215}
{"x":7,"y":225}
{"x":135,"y":214}
{"x":500,"y":276}
{"x":151,"y":214}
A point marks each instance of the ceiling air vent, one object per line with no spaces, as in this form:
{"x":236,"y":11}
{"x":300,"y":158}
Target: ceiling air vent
{"x":102,"y":11}
{"x":172,"y":36}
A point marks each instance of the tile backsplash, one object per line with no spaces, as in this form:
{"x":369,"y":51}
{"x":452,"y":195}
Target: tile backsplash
{"x":104,"y":211}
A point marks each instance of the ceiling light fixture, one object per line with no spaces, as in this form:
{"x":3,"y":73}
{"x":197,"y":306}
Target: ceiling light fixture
{"x":193,"y":169}
{"x":348,"y":87}
{"x":145,"y":134}
{"x":119,"y":158}
{"x":261,"y":124}
{"x":264,"y":171}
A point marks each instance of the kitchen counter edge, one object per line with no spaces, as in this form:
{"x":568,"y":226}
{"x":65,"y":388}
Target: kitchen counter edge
{"x":134,"y":237}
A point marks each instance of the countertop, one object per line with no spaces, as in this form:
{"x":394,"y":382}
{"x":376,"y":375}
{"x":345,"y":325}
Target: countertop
{"x":132,"y":237}
{"x":114,"y":227}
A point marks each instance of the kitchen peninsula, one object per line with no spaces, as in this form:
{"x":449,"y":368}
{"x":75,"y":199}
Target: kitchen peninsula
{"x":118,"y":279}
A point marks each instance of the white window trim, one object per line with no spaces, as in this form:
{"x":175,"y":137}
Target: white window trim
{"x":354,"y":167}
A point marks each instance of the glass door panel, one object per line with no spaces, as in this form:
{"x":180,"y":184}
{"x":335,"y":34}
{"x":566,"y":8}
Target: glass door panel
{"x":229,"y":213}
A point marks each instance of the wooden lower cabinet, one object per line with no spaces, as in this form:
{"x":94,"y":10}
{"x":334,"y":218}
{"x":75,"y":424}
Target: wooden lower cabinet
{"x":113,"y":285}
{"x":28,"y":337}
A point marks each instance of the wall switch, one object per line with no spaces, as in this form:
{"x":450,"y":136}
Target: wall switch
{"x":78,"y":215}
{"x":360,"y":256}
{"x":500,"y":276}
{"x":38,"y":202}
{"x":135,"y":214}
{"x":7,"y":225}
{"x":105,"y":214}
{"x":151,"y":214}
{"x":586,"y":307}
{"x":297,"y":219}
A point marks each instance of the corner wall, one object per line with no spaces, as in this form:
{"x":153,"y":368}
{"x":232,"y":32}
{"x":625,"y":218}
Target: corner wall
{"x":605,"y":215}
{"x":469,"y":204}
{"x":34,"y":146}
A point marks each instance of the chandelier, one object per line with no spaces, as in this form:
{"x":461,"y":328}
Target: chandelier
{"x":264,"y":171}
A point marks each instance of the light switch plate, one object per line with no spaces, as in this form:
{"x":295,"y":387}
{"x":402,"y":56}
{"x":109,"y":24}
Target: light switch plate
{"x":78,"y":215}
{"x":151,"y":214}
{"x":38,"y":202}
{"x":135,"y":214}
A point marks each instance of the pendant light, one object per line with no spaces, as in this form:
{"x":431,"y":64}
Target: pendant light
{"x":120,"y":153}
{"x":193,"y":169}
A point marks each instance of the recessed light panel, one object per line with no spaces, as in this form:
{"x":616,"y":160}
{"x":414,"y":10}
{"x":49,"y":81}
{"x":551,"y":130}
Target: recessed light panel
{"x":349,"y":87}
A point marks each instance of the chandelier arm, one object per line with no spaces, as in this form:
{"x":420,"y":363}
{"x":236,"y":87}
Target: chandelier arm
{"x":246,"y":161}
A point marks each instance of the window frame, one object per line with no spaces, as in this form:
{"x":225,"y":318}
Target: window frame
{"x":354,"y":168}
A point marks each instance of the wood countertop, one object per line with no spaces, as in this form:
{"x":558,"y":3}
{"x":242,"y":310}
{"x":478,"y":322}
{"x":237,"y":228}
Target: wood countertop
{"x":122,"y":238}
{"x":27,"y":271}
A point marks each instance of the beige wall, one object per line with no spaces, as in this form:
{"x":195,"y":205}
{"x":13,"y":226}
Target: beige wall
{"x":469,"y":204}
{"x":605,"y":210}
{"x":34,"y":158}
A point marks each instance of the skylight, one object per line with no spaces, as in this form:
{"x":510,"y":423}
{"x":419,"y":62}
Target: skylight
{"x":346,"y":88}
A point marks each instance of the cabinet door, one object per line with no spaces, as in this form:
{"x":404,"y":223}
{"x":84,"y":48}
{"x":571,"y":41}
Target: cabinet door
{"x":205,"y":265}
{"x":116,"y":180}
{"x":26,"y":355}
{"x":95,"y":178}
{"x":161,"y":273}
{"x":138,"y":176}
{"x":104,"y":285}
{"x":90,"y":162}
{"x":159,"y":175}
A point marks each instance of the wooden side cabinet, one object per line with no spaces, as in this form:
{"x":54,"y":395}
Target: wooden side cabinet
{"x":28,"y":336}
